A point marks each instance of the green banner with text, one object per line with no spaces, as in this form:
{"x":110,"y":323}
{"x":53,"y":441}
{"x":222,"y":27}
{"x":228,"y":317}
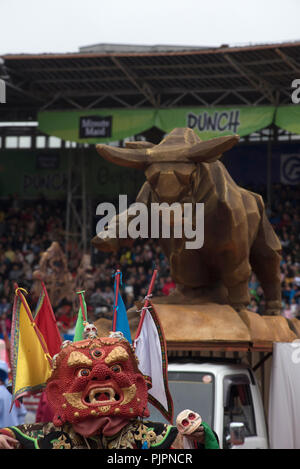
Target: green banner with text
{"x":111,"y":125}
{"x":288,"y":118}
{"x":35,"y":173}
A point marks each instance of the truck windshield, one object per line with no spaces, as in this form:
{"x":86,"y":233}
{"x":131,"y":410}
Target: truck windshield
{"x":189,"y":390}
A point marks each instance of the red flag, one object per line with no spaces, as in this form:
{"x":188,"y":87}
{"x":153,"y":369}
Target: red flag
{"x":46,"y":322}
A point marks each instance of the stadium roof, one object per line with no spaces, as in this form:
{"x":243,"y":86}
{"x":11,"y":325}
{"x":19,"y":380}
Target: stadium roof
{"x":148,"y":76}
{"x":135,"y":48}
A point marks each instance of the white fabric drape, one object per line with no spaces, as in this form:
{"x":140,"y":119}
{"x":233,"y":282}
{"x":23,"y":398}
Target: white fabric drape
{"x":284,"y":403}
{"x":148,"y":352}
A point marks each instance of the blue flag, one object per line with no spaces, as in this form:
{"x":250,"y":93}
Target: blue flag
{"x":122,"y":324}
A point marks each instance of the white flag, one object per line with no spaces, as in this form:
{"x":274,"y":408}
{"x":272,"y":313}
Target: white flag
{"x":151,"y":352}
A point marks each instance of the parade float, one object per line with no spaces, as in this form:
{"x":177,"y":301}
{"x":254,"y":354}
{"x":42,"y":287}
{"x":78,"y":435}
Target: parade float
{"x":206,"y":317}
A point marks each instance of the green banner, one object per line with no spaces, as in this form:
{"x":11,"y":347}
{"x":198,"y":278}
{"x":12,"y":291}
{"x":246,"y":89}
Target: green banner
{"x":94,"y":126}
{"x":288,"y":118}
{"x":31,"y":174}
{"x":111,"y":125}
{"x":213,"y":122}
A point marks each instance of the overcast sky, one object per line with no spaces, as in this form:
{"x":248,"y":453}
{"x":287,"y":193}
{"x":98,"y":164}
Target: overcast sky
{"x":37,"y":26}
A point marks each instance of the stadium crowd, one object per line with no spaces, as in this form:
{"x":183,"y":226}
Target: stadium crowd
{"x":28,"y":228}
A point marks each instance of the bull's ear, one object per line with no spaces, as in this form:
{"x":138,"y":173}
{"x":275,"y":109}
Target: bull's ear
{"x":127,"y":157}
{"x":141,"y":144}
{"x":211,"y":150}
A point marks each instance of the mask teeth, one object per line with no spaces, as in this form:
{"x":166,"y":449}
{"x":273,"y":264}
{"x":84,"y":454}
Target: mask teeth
{"x":54,"y":361}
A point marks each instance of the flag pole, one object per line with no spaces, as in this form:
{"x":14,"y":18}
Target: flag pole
{"x":39,"y":336}
{"x":146,"y":303}
{"x":117,"y":280}
{"x":83,"y":309}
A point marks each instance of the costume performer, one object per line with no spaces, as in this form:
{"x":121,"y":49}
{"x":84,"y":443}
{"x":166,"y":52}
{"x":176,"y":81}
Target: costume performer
{"x":99,"y":400}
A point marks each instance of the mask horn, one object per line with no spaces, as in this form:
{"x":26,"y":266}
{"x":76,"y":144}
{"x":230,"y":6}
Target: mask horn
{"x":211,"y":150}
{"x":130,"y":158}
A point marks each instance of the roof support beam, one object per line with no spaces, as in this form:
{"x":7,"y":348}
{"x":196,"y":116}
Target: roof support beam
{"x":72,"y":102}
{"x":242,"y":98}
{"x":258,"y":101}
{"x":90,"y":82}
{"x":120,"y":101}
{"x":219,"y":98}
{"x":170,"y":90}
{"x":174,"y":101}
{"x":101,"y":68}
{"x":198,"y":98}
{"x":140,"y":102}
{"x":288,"y":60}
{"x":23,"y":92}
{"x":258,"y":83}
{"x":145,"y":89}
{"x":95,"y":101}
{"x":55,"y":98}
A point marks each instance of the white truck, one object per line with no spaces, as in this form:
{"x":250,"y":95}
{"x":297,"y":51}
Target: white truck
{"x":238,"y":371}
{"x":227,"y":397}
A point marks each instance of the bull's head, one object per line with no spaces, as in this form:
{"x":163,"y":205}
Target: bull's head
{"x":171,"y":165}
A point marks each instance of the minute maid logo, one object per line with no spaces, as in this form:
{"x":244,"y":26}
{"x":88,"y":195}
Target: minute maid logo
{"x":95,"y":126}
{"x":218,"y":121}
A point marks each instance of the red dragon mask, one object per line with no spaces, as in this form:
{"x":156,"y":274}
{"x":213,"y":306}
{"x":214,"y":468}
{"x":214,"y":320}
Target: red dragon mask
{"x":96,"y":384}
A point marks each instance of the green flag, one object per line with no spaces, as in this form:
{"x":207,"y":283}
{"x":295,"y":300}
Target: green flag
{"x":81,"y":318}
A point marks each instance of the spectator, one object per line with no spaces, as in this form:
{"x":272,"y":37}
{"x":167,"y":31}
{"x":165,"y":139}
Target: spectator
{"x":16,"y":415}
{"x":294,"y":307}
{"x":4,"y":306}
{"x":253,"y":306}
{"x":169,"y":286}
{"x":97,"y":298}
{"x":15,"y":273}
{"x":108,"y":295}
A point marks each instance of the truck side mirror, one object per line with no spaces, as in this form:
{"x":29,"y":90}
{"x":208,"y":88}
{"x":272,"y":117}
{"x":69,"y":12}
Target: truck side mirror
{"x":237,"y":433}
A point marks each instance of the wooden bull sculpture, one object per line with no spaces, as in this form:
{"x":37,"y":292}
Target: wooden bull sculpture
{"x":238,"y":237}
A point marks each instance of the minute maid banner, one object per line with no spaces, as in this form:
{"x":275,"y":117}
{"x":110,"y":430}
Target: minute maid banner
{"x":110,"y":125}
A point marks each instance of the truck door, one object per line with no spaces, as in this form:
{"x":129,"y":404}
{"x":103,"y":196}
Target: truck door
{"x":239,"y":407}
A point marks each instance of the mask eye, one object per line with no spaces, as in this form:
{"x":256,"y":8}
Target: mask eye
{"x":185,"y":422}
{"x":83,"y":372}
{"x":97,"y":353}
{"x":116,"y":368}
{"x":192,"y":416}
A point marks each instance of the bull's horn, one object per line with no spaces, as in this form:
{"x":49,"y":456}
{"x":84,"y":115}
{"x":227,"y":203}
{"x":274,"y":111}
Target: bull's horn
{"x":141,"y":144}
{"x":211,"y":150}
{"x":123,"y":156}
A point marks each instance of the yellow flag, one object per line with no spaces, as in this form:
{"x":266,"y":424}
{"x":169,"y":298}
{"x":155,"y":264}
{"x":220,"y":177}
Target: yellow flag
{"x":30,"y":360}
